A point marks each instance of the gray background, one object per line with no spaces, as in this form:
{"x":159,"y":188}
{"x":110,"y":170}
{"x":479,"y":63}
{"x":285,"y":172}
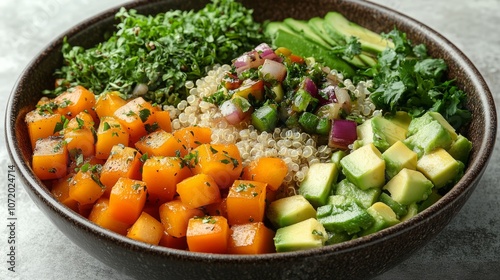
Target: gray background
{"x":468,"y":248}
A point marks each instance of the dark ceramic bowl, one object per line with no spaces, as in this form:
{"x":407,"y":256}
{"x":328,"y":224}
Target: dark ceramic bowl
{"x":361,"y":258}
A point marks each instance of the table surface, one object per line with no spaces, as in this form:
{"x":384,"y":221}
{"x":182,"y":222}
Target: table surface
{"x":468,"y":248}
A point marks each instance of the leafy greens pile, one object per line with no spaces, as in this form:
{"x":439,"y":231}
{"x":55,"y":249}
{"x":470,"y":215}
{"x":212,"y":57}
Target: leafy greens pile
{"x":407,"y":79}
{"x":162,"y":51}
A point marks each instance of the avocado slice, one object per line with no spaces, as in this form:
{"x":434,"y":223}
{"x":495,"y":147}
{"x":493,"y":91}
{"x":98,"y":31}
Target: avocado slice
{"x":380,"y":131}
{"x":303,"y":28}
{"x":397,"y":157}
{"x":318,"y":182}
{"x":418,"y":123}
{"x":409,"y":186}
{"x":303,"y":235}
{"x":365,"y":198}
{"x":440,"y":167}
{"x":383,"y":215}
{"x":428,"y":138}
{"x":348,"y":217}
{"x":364,"y":167}
{"x":289,"y":210}
{"x":460,"y":149}
{"x":340,"y":29}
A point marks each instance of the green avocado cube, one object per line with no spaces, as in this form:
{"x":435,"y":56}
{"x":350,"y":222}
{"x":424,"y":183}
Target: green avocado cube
{"x":428,"y":138}
{"x":364,"y":167}
{"x":383,"y":216}
{"x":397,"y":157}
{"x":412,"y":211}
{"x":289,"y":210}
{"x":398,"y":208}
{"x":440,"y":167}
{"x":433,"y":198}
{"x":400,"y":118}
{"x":409,"y":186}
{"x":381,"y":132}
{"x":460,"y":149}
{"x":303,"y":235}
{"x":365,"y":198}
{"x":418,"y":123}
{"x":318,"y":182}
{"x":349,"y":217}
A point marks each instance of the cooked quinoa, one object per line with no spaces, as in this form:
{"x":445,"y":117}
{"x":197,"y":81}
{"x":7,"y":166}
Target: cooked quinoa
{"x":298,"y":149}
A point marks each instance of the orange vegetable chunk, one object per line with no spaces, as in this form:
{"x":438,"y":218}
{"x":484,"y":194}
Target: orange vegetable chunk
{"x":270,"y":170}
{"x":251,"y":238}
{"x":161,"y":175}
{"x":199,"y":190}
{"x":50,"y":158}
{"x":159,"y":143}
{"x":208,"y":234}
{"x":107,"y":103}
{"x":127,"y":199}
{"x":100,"y":216}
{"x":193,"y":136}
{"x":217,"y":209}
{"x":79,"y":135}
{"x":138,"y":117}
{"x":175,"y":215}
{"x":246,"y":202}
{"x":122,"y":162}
{"x":222,"y":162}
{"x":75,"y":100}
{"x":173,"y":242}
{"x":60,"y":190}
{"x":163,"y":120}
{"x":109,"y":133}
{"x":146,"y":229}
{"x":85,"y":186}
{"x":42,"y":125}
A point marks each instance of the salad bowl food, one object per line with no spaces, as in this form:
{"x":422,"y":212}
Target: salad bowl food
{"x":365,"y":256}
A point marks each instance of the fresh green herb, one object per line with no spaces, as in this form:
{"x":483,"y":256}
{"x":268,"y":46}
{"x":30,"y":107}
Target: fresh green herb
{"x":52,"y":170}
{"x":317,"y":232}
{"x":161,"y":51}
{"x":105,"y":126}
{"x":80,"y":123}
{"x":225,"y":161}
{"x":144,"y":157}
{"x":61,"y":125}
{"x":151,"y":127}
{"x":47,"y":107}
{"x":407,"y":79}
{"x":243,"y":187}
{"x":350,"y":49}
{"x":208,"y":220}
{"x":213,"y":150}
{"x":144,"y":114}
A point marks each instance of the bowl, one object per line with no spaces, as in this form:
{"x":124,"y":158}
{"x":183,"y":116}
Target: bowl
{"x":361,"y":258}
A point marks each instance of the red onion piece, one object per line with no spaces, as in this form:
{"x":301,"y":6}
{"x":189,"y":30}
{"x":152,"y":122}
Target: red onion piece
{"x":342,"y":134}
{"x":328,"y":91}
{"x":343,"y":99}
{"x":248,"y":60}
{"x":266,"y":52}
{"x":311,"y":87}
{"x":273,"y":70}
{"x":231,"y":112}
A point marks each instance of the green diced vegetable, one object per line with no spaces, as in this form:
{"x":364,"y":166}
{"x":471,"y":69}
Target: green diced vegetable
{"x":349,"y":218}
{"x":265,"y":118}
{"x":309,"y":122}
{"x":365,"y":198}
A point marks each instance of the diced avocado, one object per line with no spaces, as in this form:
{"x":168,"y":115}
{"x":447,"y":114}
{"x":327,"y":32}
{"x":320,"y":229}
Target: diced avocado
{"x":338,"y":199}
{"x":460,"y":149}
{"x":364,"y":167}
{"x":418,"y":123}
{"x":301,"y":27}
{"x":397,"y":157}
{"x":290,"y":210}
{"x":337,"y":237}
{"x":412,"y":211}
{"x":400,"y":118}
{"x":307,"y":234}
{"x":265,"y":118}
{"x":316,"y":24}
{"x":433,"y":198}
{"x":318,"y":182}
{"x":337,"y":156}
{"x":383,"y":215}
{"x":348,"y":217}
{"x":429,"y":138}
{"x":305,"y":48}
{"x":409,"y":186}
{"x":365,"y":198}
{"x":341,"y":29}
{"x":440,"y":167}
{"x":382,"y":132}
{"x":398,"y":208}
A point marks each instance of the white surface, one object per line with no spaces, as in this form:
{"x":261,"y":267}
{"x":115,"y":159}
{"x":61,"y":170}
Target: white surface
{"x":467,"y":249}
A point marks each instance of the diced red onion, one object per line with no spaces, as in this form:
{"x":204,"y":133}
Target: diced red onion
{"x":342,"y":134}
{"x":328,"y":91}
{"x":231,"y":112}
{"x":248,"y":60}
{"x":311,"y":88}
{"x":273,"y":70}
{"x":266,"y":52}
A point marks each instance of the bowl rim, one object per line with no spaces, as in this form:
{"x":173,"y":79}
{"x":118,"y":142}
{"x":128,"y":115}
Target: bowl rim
{"x":473,"y":173}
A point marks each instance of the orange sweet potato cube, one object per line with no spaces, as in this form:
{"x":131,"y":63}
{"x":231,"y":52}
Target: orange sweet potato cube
{"x":163,"y":120}
{"x":208,"y":234}
{"x":79,"y":135}
{"x":251,"y":238}
{"x":199,"y":190}
{"x":159,"y":143}
{"x":246,"y":202}
{"x":42,"y":124}
{"x":109,"y":133}
{"x":100,"y":216}
{"x":122,"y":162}
{"x":75,"y":100}
{"x":107,"y":103}
{"x":146,"y":229}
{"x":161,"y":174}
{"x":175,"y":215}
{"x":85,"y":186}
{"x":270,"y":170}
{"x":138,"y":117}
{"x":193,"y":136}
{"x":173,"y":242}
{"x":60,"y":190}
{"x":127,"y":200}
{"x":50,"y":158}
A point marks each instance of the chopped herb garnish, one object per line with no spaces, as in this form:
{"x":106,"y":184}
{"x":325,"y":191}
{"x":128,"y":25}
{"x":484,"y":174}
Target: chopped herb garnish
{"x":80,"y":123}
{"x":105,"y":126}
{"x":214,"y":151}
{"x":144,"y":114}
{"x":317,"y":232}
